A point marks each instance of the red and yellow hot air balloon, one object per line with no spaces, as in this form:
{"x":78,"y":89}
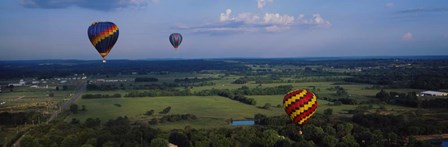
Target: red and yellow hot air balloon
{"x":300,"y":105}
{"x":103,"y":36}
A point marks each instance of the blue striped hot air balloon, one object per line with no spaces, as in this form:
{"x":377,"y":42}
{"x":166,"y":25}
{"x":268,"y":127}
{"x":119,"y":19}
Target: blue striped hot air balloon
{"x":103,"y":36}
{"x":175,"y":40}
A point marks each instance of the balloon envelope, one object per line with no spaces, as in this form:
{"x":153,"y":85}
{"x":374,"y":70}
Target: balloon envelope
{"x":103,"y":36}
{"x":300,"y":105}
{"x":175,"y":39}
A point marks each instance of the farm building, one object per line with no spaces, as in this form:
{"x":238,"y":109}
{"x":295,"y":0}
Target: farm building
{"x":21,"y":83}
{"x":432,"y":93}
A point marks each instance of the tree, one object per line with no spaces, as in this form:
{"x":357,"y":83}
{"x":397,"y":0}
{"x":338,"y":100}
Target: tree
{"x":11,"y":88}
{"x":158,"y":142}
{"x":150,"y":112}
{"x":259,"y":118}
{"x":282,"y":143}
{"x":337,"y":103}
{"x":349,"y":141}
{"x":29,"y":141}
{"x":110,"y":144}
{"x":70,"y":141}
{"x":51,"y":94}
{"x":83,"y":108}
{"x":57,"y":88}
{"x":329,"y":141}
{"x":267,"y":106}
{"x":314,"y":133}
{"x":166,"y":110}
{"x":74,"y":108}
{"x":270,"y":137}
{"x":91,"y":123}
{"x":91,"y":141}
{"x":153,"y":121}
{"x":341,"y":92}
{"x":328,"y":112}
{"x":74,"y":121}
{"x":383,"y":95}
{"x":344,"y":129}
{"x":64,"y":87}
{"x":328,"y":128}
{"x":179,"y":139}
{"x":305,"y":143}
{"x":240,"y":81}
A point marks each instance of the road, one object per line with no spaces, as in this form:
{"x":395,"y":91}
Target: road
{"x":431,"y":137}
{"x":78,"y":93}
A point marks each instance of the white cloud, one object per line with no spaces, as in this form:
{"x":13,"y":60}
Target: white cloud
{"x":262,"y":3}
{"x":133,"y":2}
{"x":408,"y":36}
{"x":389,"y":5}
{"x":226,"y":16}
{"x":316,"y":20}
{"x":248,"y":18}
{"x":250,"y":22}
{"x":275,"y":18}
{"x":276,"y":28}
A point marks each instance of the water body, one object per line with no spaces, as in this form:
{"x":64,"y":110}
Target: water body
{"x":242,"y":122}
{"x":445,"y":143}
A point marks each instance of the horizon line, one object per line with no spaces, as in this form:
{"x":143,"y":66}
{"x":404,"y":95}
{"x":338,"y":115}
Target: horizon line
{"x":225,"y":58}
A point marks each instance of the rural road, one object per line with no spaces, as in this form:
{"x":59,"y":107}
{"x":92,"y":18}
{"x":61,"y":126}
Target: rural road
{"x":80,"y":89}
{"x":78,"y":93}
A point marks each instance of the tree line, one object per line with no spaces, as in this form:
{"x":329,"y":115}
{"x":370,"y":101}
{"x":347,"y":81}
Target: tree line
{"x":410,"y":100}
{"x":100,"y":96}
{"x":274,"y":131}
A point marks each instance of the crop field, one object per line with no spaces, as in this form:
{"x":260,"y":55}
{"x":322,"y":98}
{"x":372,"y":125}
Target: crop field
{"x":208,"y":108}
{"x":25,"y":98}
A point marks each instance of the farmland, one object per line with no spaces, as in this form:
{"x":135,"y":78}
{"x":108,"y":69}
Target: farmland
{"x":175,"y":99}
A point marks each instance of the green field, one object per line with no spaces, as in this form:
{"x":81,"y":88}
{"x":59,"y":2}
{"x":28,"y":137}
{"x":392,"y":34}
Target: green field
{"x":215,"y":111}
{"x":208,"y":108}
{"x":25,"y":98}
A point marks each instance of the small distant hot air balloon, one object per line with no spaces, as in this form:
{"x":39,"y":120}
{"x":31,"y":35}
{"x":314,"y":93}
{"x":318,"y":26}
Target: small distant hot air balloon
{"x":176,"y":40}
{"x":103,"y":36}
{"x":300,"y":105}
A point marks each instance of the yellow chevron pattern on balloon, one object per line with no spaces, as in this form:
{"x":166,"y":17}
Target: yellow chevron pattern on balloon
{"x":304,"y":108}
{"x":306,"y":118}
{"x":104,"y":35}
{"x":300,"y":105}
{"x":294,"y":98}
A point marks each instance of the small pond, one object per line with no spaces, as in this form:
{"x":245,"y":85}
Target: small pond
{"x":242,"y":122}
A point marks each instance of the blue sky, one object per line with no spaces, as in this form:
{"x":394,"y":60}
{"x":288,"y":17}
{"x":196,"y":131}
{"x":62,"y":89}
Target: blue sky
{"x":57,"y":29}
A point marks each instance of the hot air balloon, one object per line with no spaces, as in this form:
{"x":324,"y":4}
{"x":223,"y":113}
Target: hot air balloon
{"x":103,"y":36}
{"x":300,"y":105}
{"x":175,"y":39}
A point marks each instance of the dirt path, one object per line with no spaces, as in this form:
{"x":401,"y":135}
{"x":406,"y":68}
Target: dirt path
{"x":20,"y":97}
{"x":431,"y":137}
{"x":80,"y":90}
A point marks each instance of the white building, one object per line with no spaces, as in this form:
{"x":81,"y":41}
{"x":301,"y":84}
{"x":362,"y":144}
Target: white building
{"x":432,"y":93}
{"x":21,"y":83}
